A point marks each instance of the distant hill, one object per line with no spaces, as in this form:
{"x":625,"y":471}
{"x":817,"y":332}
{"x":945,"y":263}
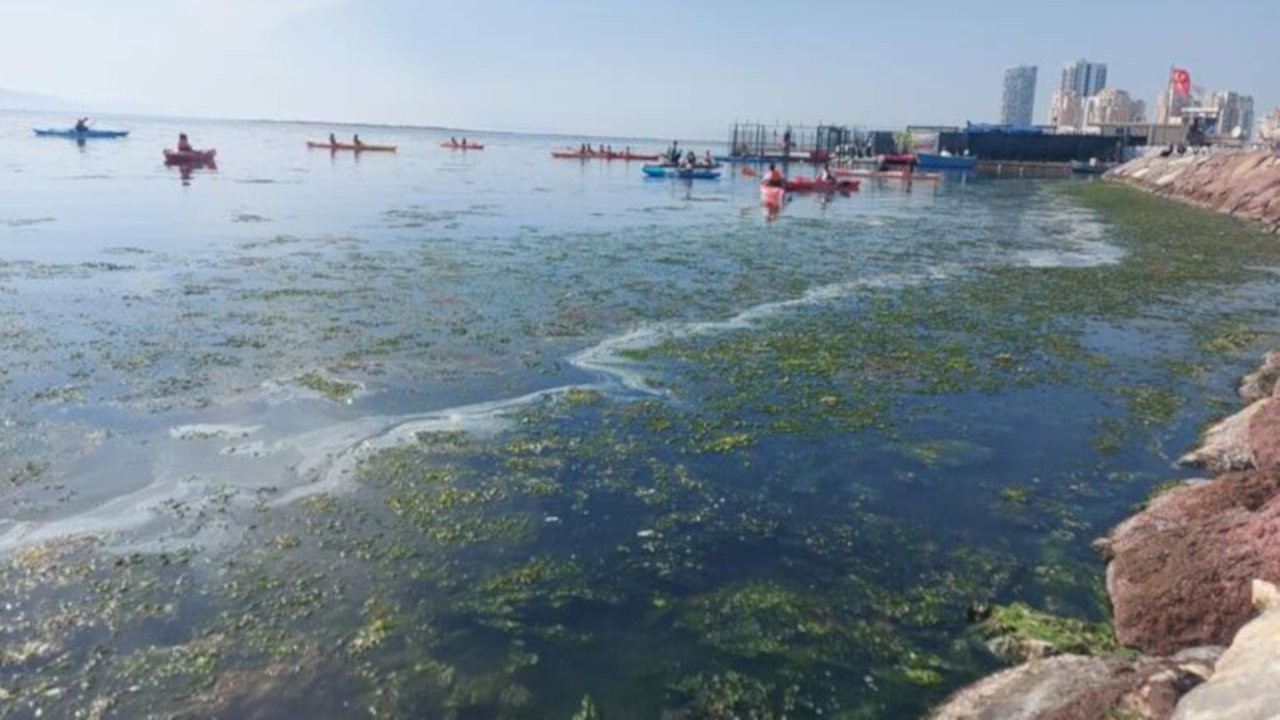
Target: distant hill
{"x":13,"y":100}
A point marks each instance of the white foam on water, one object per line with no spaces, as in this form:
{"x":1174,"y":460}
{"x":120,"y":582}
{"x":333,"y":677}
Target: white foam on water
{"x":324,"y":459}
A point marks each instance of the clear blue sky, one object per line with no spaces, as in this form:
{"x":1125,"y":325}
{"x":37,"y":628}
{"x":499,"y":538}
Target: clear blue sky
{"x":658,"y":67}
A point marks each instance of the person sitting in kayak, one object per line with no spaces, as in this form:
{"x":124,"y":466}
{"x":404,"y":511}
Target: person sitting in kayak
{"x":184,"y":145}
{"x":333,"y":140}
{"x":82,"y":125}
{"x":774,"y":178}
{"x":691,"y":159}
{"x":708,"y":160}
{"x":355,"y":140}
{"x":826,"y":176}
{"x":454,"y":141}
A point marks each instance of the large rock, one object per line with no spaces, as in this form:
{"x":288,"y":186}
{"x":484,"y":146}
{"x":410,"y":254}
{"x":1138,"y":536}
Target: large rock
{"x":1246,"y":682}
{"x":1261,"y":382}
{"x":1264,"y":437}
{"x":1227,"y":445}
{"x":1181,"y":570}
{"x":1076,"y":687}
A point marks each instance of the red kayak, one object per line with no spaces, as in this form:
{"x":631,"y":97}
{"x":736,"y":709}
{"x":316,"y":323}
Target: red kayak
{"x":803,"y":184}
{"x":461,"y":146}
{"x":189,"y":157}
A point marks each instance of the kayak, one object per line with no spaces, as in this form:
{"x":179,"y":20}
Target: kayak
{"x":189,"y":157}
{"x":460,"y":146}
{"x":89,"y":134}
{"x":886,"y":174}
{"x":363,"y":147}
{"x":802,"y":184}
{"x":772,"y":195}
{"x":679,"y":172}
{"x":578,"y":155}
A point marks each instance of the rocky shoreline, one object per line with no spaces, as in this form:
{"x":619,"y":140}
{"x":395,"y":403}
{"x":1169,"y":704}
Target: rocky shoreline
{"x":1245,"y":184}
{"x":1190,"y":576}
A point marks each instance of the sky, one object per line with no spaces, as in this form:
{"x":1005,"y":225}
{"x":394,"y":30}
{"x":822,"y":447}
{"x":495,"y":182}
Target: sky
{"x":679,"y":68}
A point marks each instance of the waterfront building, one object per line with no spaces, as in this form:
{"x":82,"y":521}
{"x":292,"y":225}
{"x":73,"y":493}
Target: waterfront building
{"x":1019,"y":95}
{"x":1169,"y":106}
{"x":1066,"y":111}
{"x":1235,"y":113}
{"x":1269,"y":129}
{"x":1112,"y":106}
{"x":1084,"y":78}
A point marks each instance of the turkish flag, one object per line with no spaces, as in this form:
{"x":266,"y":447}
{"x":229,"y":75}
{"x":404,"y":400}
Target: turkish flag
{"x":1181,"y":80}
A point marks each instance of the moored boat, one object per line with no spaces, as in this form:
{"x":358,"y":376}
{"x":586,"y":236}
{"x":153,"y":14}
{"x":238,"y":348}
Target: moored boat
{"x":944,"y":161}
{"x":1090,"y":168}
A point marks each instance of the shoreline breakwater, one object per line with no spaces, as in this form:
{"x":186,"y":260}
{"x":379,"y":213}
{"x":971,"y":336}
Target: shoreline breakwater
{"x":1244,"y":184}
{"x":1192,"y":575}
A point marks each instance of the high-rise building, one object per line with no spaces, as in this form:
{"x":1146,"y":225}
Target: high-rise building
{"x":1269,"y":129}
{"x":1066,"y":109}
{"x":1084,"y":78}
{"x":1112,"y":106}
{"x":1019,"y":95}
{"x":1169,"y":106}
{"x":1234,"y":111}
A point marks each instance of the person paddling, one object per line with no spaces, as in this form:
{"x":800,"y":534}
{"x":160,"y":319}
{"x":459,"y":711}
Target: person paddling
{"x":82,"y":125}
{"x":773,"y":178}
{"x":184,"y":145}
{"x":355,"y":140}
{"x":333,"y":140}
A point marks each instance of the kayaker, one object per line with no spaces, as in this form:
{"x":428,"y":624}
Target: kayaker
{"x":453,"y":140}
{"x":184,"y":145}
{"x":691,"y":159}
{"x":707,"y":159}
{"x":82,"y":125}
{"x":826,"y":176}
{"x":333,"y":140}
{"x":355,"y":140}
{"x":673,"y":153}
{"x":773,"y":178}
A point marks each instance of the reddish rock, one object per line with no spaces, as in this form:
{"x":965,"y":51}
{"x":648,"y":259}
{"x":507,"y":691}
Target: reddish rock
{"x":1073,"y":687}
{"x":1181,"y":570}
{"x":1264,"y":438}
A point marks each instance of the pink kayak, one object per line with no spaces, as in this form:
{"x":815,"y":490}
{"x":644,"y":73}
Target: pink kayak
{"x":772,"y":195}
{"x":188,"y":157}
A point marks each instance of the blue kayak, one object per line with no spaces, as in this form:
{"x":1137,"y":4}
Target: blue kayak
{"x":683,"y":173}
{"x":89,"y":134}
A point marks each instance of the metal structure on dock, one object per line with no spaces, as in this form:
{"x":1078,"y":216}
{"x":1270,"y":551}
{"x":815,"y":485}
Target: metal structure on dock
{"x":760,"y":142}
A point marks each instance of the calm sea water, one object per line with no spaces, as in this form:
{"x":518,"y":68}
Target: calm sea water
{"x":481,"y":434}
